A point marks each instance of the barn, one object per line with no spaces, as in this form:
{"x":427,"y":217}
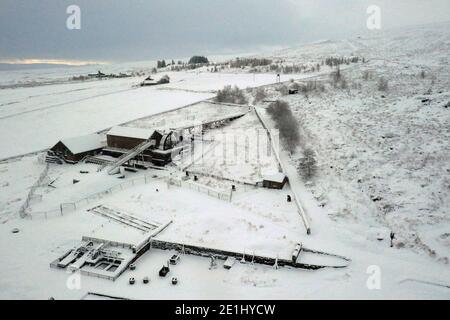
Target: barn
{"x":75,"y":149}
{"x":127,"y":137}
{"x":275,"y":181}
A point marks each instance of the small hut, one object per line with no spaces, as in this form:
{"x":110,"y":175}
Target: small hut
{"x":275,"y":181}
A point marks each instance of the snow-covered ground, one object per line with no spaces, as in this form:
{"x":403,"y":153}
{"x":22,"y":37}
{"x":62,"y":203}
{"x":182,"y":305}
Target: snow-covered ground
{"x":383,"y":160}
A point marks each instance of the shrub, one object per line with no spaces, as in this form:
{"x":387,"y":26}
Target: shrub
{"x":383,"y":84}
{"x":285,"y":122}
{"x":260,"y":95}
{"x":282,"y":89}
{"x":164,"y":79}
{"x":231,"y":95}
{"x":366,"y":75}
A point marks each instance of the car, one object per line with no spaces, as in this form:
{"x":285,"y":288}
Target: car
{"x":146,"y":280}
{"x":174,"y":280}
{"x":174,"y":259}
{"x":132,"y":280}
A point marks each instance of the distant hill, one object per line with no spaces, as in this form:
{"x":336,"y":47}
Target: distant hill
{"x":18,"y":66}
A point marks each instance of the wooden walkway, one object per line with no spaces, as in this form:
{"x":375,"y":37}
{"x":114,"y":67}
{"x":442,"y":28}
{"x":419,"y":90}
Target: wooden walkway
{"x":341,"y":261}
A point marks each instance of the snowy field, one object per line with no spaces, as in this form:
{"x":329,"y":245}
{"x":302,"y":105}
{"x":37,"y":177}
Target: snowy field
{"x":383,"y":160}
{"x":35,"y":118}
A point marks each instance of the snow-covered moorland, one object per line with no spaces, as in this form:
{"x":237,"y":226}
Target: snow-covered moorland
{"x":384,"y":153}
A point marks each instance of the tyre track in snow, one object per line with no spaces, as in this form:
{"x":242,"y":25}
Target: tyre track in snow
{"x":66,"y":103}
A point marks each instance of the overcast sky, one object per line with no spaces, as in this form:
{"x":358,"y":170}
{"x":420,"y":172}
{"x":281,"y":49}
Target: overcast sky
{"x":125,"y":30}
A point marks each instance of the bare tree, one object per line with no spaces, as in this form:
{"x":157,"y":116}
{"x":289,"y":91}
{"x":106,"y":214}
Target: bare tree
{"x":285,"y":122}
{"x":307,"y":166}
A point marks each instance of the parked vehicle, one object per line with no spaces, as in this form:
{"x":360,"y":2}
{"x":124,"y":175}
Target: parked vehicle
{"x":174,"y":259}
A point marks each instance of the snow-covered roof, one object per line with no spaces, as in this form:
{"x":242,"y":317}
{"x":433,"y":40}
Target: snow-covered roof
{"x":130,"y":132}
{"x":84,"y":143}
{"x":277,"y":177}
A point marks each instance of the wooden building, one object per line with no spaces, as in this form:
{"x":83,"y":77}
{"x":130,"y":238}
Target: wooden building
{"x":121,"y":139}
{"x":127,"y":137}
{"x":275,"y":181}
{"x":75,"y":149}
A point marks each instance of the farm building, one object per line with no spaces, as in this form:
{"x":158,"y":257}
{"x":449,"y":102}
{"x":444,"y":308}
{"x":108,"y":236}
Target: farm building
{"x":149,"y":81}
{"x":121,"y":140}
{"x":127,"y":137}
{"x":275,"y":181}
{"x":75,"y":149}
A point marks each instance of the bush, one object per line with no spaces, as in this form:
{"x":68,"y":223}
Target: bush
{"x":383,"y":84}
{"x":282,"y":89}
{"x":307,"y":167}
{"x":164,"y":79}
{"x":231,"y":95}
{"x":285,"y":122}
{"x":198,"y":60}
{"x":260,"y":95}
{"x":366,"y":75}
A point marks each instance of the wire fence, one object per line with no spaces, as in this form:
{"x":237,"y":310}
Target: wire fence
{"x":67,"y":207}
{"x":25,"y":206}
{"x":237,"y":181}
{"x":219,"y":194}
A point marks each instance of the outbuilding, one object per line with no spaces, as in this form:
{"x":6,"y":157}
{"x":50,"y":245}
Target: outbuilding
{"x":275,"y":181}
{"x":75,"y":149}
